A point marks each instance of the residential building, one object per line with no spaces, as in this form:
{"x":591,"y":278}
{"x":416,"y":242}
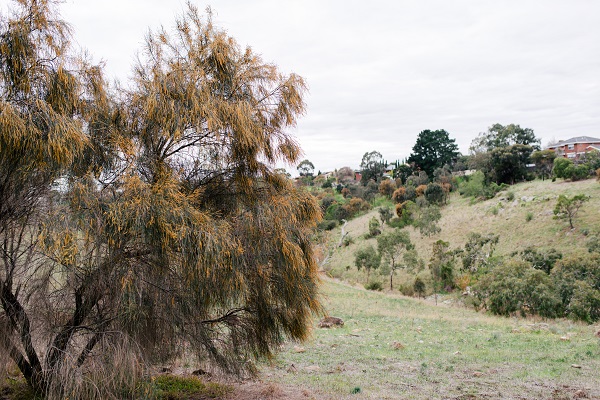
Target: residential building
{"x":573,"y":148}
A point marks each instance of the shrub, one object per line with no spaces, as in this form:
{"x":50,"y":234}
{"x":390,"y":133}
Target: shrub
{"x":374,"y":227}
{"x":528,"y":216}
{"x":385,"y":214}
{"x":387,"y":187}
{"x":585,"y":303}
{"x":593,"y":244}
{"x":348,"y":240}
{"x":434,"y":193}
{"x":397,"y":223}
{"x":567,"y":207}
{"x":374,"y":285}
{"x":326,"y":202}
{"x":510,"y":196}
{"x":407,"y":290}
{"x":577,"y":281}
{"x":560,"y":166}
{"x":576,"y":172}
{"x":516,"y":287}
{"x":420,"y":190}
{"x":399,"y":195}
{"x":327,"y":225}
{"x":419,"y":287}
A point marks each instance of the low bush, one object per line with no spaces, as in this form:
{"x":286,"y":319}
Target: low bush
{"x":327,"y":225}
{"x":374,"y":285}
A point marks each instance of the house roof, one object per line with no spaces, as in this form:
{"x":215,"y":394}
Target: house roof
{"x":574,"y":140}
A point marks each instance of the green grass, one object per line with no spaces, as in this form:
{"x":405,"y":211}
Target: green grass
{"x":171,"y":387}
{"x":395,"y":347}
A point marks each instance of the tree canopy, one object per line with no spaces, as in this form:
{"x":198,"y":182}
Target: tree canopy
{"x":306,"y":168}
{"x":433,"y":149}
{"x":171,"y":229}
{"x":499,"y":135}
{"x":372,"y":166}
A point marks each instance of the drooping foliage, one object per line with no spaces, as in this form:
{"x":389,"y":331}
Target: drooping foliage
{"x":170,"y":230}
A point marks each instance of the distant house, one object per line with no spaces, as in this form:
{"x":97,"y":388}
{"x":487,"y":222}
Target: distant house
{"x":575,"y":147}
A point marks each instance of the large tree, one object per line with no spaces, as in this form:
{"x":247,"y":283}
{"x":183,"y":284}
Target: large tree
{"x":372,"y":167}
{"x":171,"y":230}
{"x":433,"y":149}
{"x":499,"y":135}
{"x":509,"y":164}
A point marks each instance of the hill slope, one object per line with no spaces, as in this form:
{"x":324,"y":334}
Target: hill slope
{"x":501,"y":216}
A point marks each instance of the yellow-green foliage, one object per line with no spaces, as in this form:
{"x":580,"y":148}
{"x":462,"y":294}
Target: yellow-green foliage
{"x":171,"y":229}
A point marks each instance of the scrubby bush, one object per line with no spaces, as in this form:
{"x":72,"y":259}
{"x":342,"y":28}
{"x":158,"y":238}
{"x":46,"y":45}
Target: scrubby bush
{"x":420,"y":190}
{"x":593,"y":244}
{"x":419,"y":287}
{"x":387,"y":188}
{"x":327,"y":225}
{"x":397,"y":223}
{"x":385,"y":214}
{"x":542,"y":260}
{"x":576,"y":172}
{"x":515,"y":286}
{"x":407,"y":289}
{"x":475,"y":186}
{"x":326,"y":202}
{"x":561,"y":165}
{"x":434,"y":193}
{"x":374,"y":285}
{"x":577,"y":281}
{"x":374,"y":226}
{"x":399,"y":195}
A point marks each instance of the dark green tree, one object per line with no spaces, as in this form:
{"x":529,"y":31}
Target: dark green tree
{"x":419,"y":287}
{"x":402,"y":171}
{"x":509,"y":163}
{"x":433,"y":149}
{"x":435,"y":194}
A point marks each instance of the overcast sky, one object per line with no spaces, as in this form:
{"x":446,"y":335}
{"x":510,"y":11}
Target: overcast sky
{"x":379,"y":72}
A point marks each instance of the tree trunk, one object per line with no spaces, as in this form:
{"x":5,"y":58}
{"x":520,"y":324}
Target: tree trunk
{"x":29,"y":363}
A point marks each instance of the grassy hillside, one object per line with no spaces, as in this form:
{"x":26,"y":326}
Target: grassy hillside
{"x":507,"y":218}
{"x":393,"y":347}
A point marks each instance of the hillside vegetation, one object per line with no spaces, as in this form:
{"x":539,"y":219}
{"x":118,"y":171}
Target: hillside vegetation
{"x":525,"y":221}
